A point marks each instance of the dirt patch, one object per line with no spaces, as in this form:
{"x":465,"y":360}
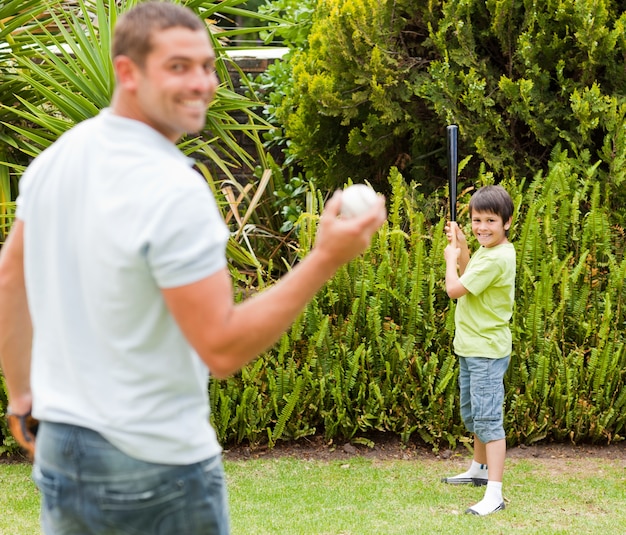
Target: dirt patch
{"x":386,"y":448}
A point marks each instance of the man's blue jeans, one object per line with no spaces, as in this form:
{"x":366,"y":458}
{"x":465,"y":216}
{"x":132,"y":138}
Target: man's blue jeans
{"x":89,"y":487}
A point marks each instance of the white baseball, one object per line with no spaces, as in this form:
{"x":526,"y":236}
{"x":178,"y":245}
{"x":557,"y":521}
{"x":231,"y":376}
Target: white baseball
{"x":356,"y":200}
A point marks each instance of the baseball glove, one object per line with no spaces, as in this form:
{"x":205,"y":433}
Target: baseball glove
{"x":23,"y":427}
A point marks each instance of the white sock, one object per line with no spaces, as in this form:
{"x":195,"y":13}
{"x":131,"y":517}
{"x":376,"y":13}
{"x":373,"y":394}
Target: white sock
{"x":491,"y":501}
{"x":476,"y":470}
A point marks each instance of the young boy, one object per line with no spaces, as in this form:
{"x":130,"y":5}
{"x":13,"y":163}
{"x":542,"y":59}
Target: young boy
{"x":484,"y":286}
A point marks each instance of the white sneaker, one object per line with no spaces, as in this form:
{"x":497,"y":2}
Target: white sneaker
{"x":465,"y":480}
{"x":472,"y":511}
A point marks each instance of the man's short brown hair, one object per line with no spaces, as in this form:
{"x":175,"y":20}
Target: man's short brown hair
{"x":133,"y":30}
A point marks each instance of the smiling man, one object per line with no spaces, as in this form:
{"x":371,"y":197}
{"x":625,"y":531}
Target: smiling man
{"x":116,"y":301}
{"x":170,"y":88}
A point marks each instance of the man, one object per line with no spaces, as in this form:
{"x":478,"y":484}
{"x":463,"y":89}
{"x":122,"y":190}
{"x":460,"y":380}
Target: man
{"x":117,"y":260}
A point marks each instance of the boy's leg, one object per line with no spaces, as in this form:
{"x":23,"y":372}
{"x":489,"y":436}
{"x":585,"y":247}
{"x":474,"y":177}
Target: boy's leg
{"x":496,"y":454}
{"x":488,"y":401}
{"x":480,"y":451}
{"x":477,"y":472}
{"x":493,"y":500}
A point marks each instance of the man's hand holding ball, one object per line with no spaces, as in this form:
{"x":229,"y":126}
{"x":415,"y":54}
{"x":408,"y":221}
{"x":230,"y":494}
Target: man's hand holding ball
{"x":350,"y":219}
{"x":356,"y":200}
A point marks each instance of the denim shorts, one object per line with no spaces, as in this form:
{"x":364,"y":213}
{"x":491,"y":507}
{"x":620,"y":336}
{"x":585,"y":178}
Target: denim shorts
{"x":89,"y":487}
{"x":481,"y":381}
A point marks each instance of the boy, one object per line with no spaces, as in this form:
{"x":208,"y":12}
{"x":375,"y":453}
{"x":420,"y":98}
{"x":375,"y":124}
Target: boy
{"x":484,"y":286}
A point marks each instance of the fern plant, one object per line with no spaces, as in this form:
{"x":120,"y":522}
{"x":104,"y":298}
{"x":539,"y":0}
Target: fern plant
{"x":373,"y":351}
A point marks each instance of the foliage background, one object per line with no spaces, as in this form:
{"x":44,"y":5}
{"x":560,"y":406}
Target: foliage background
{"x":55,"y":70}
{"x":538,"y":93}
{"x":372,"y":84}
{"x":373,"y":351}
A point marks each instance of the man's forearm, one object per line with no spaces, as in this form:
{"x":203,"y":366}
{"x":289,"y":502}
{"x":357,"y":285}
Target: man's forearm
{"x":275,"y":309}
{"x":227,"y":336}
{"x":15,"y":347}
{"x":228,"y":340}
{"x":15,"y":322}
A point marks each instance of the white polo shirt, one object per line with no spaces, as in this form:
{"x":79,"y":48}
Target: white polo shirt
{"x":112,"y":213}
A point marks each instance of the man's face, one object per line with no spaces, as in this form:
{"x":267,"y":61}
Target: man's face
{"x":177,"y":82}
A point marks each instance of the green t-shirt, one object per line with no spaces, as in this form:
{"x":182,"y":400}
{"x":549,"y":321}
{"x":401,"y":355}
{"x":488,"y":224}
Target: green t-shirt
{"x":482,"y":315}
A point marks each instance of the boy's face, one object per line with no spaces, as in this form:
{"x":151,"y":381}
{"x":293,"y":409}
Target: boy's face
{"x":489,"y":228}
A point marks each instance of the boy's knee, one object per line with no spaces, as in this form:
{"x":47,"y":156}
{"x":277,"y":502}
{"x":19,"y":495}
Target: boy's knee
{"x":488,"y":430}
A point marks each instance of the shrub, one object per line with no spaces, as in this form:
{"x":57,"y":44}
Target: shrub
{"x":380,"y":80}
{"x":372,"y":352}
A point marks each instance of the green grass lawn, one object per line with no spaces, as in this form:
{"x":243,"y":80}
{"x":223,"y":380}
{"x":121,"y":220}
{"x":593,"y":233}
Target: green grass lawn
{"x":367,"y":496}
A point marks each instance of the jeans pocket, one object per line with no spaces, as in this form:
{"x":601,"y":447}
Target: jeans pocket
{"x":49,"y":486}
{"x":135,"y":508}
{"x":213,"y":470}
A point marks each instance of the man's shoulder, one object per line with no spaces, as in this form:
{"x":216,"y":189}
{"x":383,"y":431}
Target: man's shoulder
{"x":78,"y":131}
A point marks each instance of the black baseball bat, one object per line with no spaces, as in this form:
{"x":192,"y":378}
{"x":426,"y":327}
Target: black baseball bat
{"x":453,"y":166}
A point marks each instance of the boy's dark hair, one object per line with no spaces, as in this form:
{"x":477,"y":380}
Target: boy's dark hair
{"x":134,"y":29}
{"x":493,"y":199}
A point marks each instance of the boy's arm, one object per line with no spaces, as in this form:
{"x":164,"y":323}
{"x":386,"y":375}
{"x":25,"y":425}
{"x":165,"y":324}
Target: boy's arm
{"x":457,"y":259}
{"x":464,"y":255}
{"x":461,"y":244}
{"x":454,"y":288}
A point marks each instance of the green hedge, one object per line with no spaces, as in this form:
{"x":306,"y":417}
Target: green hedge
{"x":533,"y":87}
{"x":373,"y":351}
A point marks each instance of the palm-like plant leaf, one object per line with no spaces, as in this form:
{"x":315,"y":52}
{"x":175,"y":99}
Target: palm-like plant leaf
{"x":14,"y":14}
{"x":61,"y":74}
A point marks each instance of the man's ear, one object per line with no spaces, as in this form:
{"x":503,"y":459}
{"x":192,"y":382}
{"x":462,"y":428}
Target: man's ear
{"x":507,"y":225}
{"x":125,"y":72}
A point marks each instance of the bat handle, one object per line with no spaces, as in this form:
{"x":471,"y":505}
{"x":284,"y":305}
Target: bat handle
{"x":452,"y":132}
{"x":453,"y":235}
